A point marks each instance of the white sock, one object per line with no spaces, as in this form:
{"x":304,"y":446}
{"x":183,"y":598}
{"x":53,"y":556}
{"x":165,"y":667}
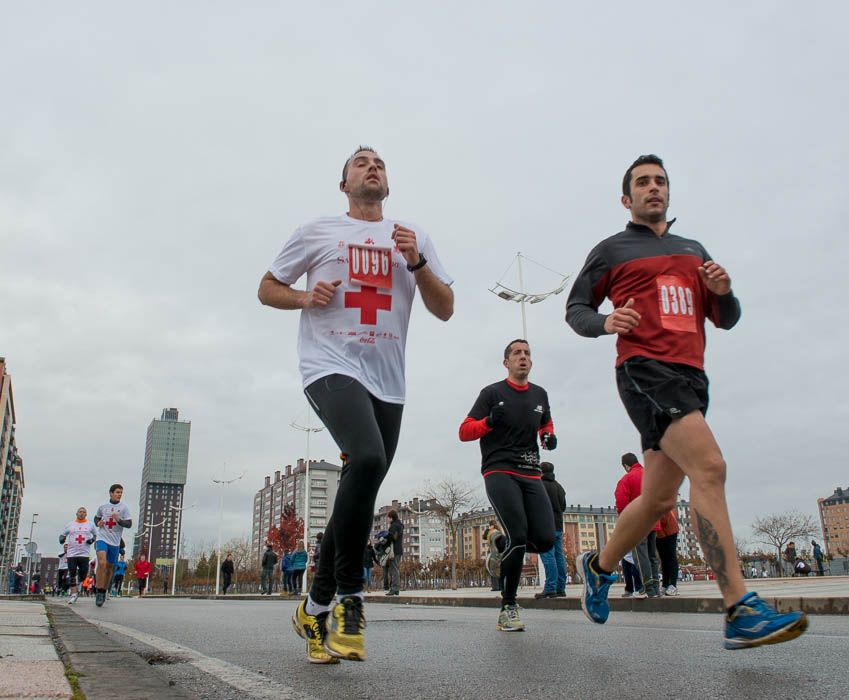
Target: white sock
{"x":313,"y":608}
{"x":361,"y":595}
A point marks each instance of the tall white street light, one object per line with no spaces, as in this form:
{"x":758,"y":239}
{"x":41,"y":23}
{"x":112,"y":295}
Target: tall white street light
{"x":308,"y":430}
{"x":222,"y":482}
{"x":151,"y":527}
{"x":177,"y":543}
{"x":31,"y":552}
{"x":521,"y":296}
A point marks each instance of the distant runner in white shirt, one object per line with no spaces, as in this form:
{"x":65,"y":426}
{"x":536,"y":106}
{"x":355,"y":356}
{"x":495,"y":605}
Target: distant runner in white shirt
{"x":362,"y":272}
{"x":111,"y":519}
{"x":77,"y":536}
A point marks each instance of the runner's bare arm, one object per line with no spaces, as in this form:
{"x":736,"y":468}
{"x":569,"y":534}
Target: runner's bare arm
{"x":437,"y":296}
{"x":274,"y":293}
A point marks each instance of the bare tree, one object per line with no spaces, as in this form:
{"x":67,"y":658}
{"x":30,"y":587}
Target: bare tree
{"x":240,"y":548}
{"x":449,"y":498}
{"x":778,"y":529}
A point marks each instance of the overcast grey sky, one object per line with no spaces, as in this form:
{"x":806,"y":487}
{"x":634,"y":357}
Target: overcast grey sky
{"x":154,"y":158}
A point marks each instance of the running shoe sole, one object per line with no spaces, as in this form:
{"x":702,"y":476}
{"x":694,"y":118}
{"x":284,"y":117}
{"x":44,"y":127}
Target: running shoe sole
{"x":585,"y":585}
{"x":785,"y":634}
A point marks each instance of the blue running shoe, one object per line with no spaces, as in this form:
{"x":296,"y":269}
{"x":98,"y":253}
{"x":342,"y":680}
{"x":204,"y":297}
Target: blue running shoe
{"x":596,"y":587}
{"x":754,"y":623}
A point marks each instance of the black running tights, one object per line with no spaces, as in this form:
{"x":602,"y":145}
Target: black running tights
{"x":366,"y":431}
{"x":524,"y":511}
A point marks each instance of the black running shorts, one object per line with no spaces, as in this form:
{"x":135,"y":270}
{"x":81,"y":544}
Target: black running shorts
{"x":656,"y":393}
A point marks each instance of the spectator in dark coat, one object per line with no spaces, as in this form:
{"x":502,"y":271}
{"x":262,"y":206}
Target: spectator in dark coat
{"x":553,"y":560}
{"x":269,"y":563}
{"x":227,"y":569}
{"x":396,"y":536}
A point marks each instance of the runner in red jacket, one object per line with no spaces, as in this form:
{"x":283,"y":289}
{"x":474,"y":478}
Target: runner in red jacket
{"x":142,"y":569}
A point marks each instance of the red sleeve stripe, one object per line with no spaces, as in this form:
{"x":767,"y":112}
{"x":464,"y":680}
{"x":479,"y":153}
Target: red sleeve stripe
{"x":471,"y":429}
{"x":547,"y":428}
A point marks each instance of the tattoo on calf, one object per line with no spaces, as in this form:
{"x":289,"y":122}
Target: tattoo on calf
{"x":714,"y":556}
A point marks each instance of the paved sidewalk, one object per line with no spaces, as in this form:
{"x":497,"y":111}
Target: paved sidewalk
{"x":29,"y":664}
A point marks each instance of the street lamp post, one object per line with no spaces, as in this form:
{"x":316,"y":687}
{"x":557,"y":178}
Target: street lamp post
{"x":151,"y":527}
{"x":31,"y":552}
{"x":308,"y":430}
{"x":521,"y":296}
{"x":177,"y":544}
{"x":222,"y":482}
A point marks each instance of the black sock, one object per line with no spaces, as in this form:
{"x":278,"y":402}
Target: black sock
{"x":594,"y":565}
{"x":730,"y":611}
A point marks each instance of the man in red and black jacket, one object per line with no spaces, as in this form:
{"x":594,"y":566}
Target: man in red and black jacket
{"x":511,"y":418}
{"x":628,"y":489}
{"x":663,"y":287}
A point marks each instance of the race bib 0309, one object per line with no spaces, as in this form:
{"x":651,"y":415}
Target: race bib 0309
{"x":370,"y":266}
{"x":676,"y":302}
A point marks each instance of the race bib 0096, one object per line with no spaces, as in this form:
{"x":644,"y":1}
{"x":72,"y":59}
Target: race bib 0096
{"x":676,"y":302}
{"x":371,"y":266}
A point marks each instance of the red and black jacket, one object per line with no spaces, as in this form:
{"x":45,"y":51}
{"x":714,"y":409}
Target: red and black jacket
{"x":661,"y":274}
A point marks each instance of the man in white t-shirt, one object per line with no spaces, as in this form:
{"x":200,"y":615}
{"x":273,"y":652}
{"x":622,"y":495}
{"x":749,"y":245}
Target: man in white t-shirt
{"x":111,"y":519}
{"x":77,"y":536}
{"x":362,"y":272}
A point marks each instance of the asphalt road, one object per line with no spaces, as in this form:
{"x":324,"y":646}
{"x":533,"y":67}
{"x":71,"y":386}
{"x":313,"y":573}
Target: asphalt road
{"x":247,"y":649}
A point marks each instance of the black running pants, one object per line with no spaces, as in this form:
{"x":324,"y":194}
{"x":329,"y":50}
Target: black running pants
{"x":366,"y":431}
{"x":77,"y":570}
{"x":667,"y":550}
{"x":524,"y":510}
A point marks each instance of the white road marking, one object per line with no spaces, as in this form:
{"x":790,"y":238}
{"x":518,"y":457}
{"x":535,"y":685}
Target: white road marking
{"x":253,"y":684}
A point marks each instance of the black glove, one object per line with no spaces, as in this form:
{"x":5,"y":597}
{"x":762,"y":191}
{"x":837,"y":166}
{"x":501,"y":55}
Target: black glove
{"x":90,"y":541}
{"x":496,"y":415}
{"x":549,"y":441}
{"x":61,"y":539}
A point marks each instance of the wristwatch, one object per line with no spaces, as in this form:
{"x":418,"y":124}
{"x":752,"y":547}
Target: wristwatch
{"x":419,"y":265}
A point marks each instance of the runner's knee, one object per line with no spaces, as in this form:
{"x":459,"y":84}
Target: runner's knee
{"x":711,"y":472}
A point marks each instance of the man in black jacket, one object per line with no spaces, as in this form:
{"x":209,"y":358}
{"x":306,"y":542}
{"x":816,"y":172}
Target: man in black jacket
{"x":396,"y":536}
{"x":269,"y":561}
{"x":553,"y":560}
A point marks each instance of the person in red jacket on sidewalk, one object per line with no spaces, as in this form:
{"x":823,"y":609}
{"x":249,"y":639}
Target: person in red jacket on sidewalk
{"x":645,"y":553}
{"x":142,"y":569}
{"x":667,"y":549}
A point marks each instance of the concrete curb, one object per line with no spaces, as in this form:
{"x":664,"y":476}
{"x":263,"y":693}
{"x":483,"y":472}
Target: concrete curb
{"x":105,"y":668}
{"x":667,"y":604}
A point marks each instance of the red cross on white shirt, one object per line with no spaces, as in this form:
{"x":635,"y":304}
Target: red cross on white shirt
{"x":369,"y":301}
{"x":110,"y":523}
{"x":80,"y":539}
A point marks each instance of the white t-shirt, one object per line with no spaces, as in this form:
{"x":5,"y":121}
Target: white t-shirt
{"x":109,"y":531}
{"x":77,"y":535}
{"x":362,"y":333}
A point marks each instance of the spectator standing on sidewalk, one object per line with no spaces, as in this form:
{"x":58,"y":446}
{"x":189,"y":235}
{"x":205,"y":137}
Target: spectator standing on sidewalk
{"x":553,"y":560}
{"x":396,"y":537}
{"x":667,"y":550}
{"x":818,"y":557}
{"x":286,"y":572}
{"x":369,"y":560}
{"x":299,"y":565}
{"x":645,"y":553}
{"x":269,"y":563}
{"x":790,"y":559}
{"x":631,"y":574}
{"x":142,"y":571}
{"x":227,"y":570}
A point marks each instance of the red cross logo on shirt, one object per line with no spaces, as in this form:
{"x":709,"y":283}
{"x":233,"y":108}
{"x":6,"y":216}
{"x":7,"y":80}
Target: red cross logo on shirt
{"x":110,"y":523}
{"x":369,"y":301}
{"x":80,"y":539}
